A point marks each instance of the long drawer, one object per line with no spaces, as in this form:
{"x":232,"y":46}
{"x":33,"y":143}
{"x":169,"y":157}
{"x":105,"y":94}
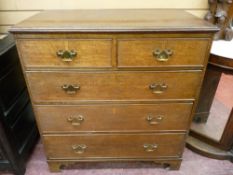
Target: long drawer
{"x":165,"y":52}
{"x":117,"y":145}
{"x":85,"y":86}
{"x":69,"y":53}
{"x":113,"y":118}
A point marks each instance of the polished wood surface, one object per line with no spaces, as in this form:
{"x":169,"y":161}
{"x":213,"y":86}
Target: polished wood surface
{"x":114,"y":21}
{"x":209,"y":87}
{"x":96,"y":107}
{"x":112,"y":85}
{"x":90,"y":53}
{"x":208,"y":150}
{"x":218,"y":146}
{"x":185,"y":52}
{"x":221,"y":62}
{"x":114,"y":145}
{"x":15,"y":11}
{"x":114,"y":118}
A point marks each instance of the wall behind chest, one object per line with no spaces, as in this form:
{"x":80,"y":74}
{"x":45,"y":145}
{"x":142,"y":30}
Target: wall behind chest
{"x":14,"y":11}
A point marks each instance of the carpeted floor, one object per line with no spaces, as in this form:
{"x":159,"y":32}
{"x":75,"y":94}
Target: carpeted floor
{"x":193,"y":164}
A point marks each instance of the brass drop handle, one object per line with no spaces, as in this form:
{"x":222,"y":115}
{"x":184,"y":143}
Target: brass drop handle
{"x":158,"y":88}
{"x":66,"y":55}
{"x":150,"y":147}
{"x":75,"y":120}
{"x":70,"y":89}
{"x":154,"y":120}
{"x":79,"y":148}
{"x":162,"y":55}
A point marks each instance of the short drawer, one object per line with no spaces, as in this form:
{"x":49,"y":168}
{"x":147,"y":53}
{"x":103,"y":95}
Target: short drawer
{"x":113,"y":118}
{"x":162,"y":52}
{"x":71,"y":53}
{"x":117,"y":145}
{"x":93,"y":86}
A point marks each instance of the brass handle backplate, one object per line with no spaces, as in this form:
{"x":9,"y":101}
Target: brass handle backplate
{"x":154,"y":120}
{"x":79,"y":148}
{"x":150,"y":147}
{"x":158,"y":88}
{"x":70,"y":89}
{"x":162,"y":55}
{"x":76,"y":120}
{"x":66,"y":55}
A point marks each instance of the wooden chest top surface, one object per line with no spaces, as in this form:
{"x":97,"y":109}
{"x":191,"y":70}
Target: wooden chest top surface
{"x":123,"y":20}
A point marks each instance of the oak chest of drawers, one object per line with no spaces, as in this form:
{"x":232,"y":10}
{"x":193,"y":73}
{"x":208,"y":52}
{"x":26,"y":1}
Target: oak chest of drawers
{"x":109,"y":85}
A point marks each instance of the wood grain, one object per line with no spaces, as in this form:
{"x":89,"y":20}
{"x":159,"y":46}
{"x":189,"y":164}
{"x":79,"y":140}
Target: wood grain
{"x":46,"y":86}
{"x":114,"y":118}
{"x":186,"y":52}
{"x":117,"y":145}
{"x":149,"y":20}
{"x":42,"y":53}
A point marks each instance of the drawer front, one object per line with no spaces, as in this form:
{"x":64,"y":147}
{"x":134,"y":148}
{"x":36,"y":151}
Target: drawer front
{"x":82,"y":87}
{"x":117,"y":145}
{"x":122,"y":117}
{"x":162,"y":52}
{"x":66,"y":53}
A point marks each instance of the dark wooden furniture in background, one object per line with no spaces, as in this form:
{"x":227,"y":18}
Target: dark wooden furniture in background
{"x":221,"y":14}
{"x":207,"y":94}
{"x":18,"y":131}
{"x":205,"y":139}
{"x":200,"y":142}
{"x":102,"y":81}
